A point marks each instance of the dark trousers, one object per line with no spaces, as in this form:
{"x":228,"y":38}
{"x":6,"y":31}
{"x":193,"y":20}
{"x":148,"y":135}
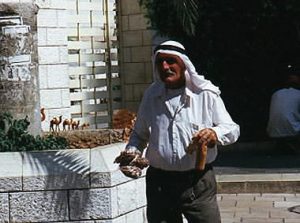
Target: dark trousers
{"x":191,"y":193}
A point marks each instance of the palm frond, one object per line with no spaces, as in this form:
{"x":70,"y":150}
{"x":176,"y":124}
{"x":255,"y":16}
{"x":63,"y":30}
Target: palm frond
{"x":177,"y":15}
{"x":187,"y":11}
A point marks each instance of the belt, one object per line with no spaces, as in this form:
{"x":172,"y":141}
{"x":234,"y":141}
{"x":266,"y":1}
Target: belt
{"x":180,"y":174}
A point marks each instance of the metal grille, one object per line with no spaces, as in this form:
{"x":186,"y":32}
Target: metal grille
{"x":95,"y":87}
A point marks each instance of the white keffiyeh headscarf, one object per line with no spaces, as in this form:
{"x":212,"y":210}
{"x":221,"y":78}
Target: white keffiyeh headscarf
{"x":193,"y":81}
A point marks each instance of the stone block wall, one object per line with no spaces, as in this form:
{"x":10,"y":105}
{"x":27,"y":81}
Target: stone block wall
{"x":53,"y":59}
{"x":18,"y":62}
{"x":69,"y":186}
{"x":136,"y":45}
{"x":136,"y":49}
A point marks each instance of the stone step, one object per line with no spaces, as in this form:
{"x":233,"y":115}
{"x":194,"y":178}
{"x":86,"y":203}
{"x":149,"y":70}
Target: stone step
{"x":257,"y":167}
{"x":259,"y":183}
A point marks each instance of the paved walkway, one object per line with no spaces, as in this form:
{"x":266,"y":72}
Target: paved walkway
{"x":260,"y":208}
{"x":254,"y":171}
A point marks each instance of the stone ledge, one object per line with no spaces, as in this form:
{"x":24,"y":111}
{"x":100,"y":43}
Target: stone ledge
{"x":94,"y":168}
{"x":69,"y":186}
{"x":248,"y":167}
{"x":259,"y":187}
{"x":259,"y":183}
{"x":270,"y":177}
{"x":64,"y":169}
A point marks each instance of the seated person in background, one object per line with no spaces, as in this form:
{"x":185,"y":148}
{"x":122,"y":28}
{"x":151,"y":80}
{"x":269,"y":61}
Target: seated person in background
{"x":284,"y":116}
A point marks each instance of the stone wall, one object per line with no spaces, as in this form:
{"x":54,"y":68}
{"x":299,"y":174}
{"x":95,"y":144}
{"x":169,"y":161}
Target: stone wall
{"x":136,"y":44}
{"x":136,"y":49}
{"x":53,"y":59}
{"x":69,"y":186}
{"x":18,"y":61}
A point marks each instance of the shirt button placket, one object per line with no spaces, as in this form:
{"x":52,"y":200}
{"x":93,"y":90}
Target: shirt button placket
{"x":175,"y":142}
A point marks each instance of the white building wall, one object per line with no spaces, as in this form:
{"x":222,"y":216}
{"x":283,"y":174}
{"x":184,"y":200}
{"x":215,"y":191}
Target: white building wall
{"x":53,"y":59}
{"x":136,"y":45}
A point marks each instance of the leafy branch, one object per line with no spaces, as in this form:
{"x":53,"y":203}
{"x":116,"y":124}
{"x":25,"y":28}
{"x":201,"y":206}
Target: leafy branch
{"x":164,"y":15}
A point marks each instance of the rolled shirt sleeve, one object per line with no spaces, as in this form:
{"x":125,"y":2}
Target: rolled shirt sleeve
{"x":140,"y":135}
{"x":226,"y":129}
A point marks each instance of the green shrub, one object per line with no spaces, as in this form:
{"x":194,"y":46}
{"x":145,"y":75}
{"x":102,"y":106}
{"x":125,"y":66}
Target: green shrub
{"x":15,"y":137}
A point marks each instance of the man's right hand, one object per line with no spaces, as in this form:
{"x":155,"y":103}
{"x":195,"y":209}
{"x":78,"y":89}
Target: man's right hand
{"x":131,"y":162}
{"x":127,"y":156}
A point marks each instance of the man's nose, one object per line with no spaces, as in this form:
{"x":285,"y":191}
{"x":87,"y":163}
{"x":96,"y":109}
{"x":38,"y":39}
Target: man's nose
{"x":165,"y":65}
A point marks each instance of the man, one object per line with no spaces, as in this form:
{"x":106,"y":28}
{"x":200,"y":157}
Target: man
{"x":179,"y":108}
{"x":284,"y":114}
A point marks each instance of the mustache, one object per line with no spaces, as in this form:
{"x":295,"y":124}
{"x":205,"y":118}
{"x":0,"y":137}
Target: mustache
{"x":169,"y":72}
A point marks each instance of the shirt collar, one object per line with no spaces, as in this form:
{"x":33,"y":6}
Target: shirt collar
{"x":159,"y":91}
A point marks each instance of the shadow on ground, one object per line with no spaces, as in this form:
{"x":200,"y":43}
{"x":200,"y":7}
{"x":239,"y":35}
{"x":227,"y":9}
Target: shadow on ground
{"x":256,"y":157}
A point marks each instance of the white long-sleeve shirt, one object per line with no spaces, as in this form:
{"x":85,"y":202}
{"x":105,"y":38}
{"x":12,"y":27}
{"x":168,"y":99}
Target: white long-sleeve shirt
{"x":168,"y":119}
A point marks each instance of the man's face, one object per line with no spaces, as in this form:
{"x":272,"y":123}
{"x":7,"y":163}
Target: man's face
{"x":171,"y":70}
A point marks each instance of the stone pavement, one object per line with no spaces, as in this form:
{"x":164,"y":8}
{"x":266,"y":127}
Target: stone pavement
{"x":258,"y":184}
{"x":260,"y":208}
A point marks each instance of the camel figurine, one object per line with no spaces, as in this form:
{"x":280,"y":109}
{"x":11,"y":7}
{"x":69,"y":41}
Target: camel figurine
{"x":75,"y":125}
{"x":43,"y":115}
{"x":55,"y":121}
{"x":67,"y":122}
{"x":85,"y":126}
